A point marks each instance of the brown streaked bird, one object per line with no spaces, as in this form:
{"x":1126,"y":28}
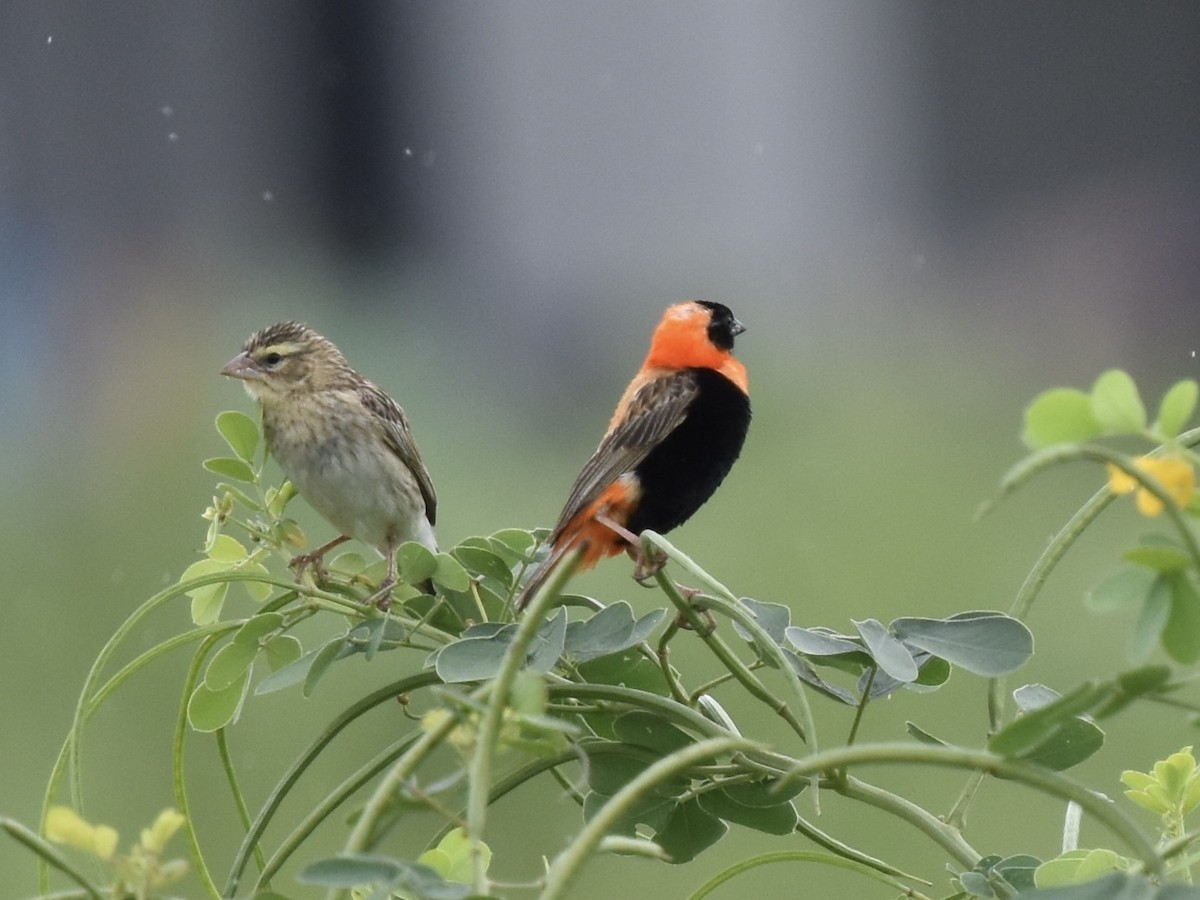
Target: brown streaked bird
{"x":343,"y":442}
{"x":673,"y":438}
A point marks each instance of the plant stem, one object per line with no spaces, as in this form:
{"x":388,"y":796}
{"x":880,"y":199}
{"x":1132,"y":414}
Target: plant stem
{"x":568,"y":863}
{"x":1102,"y":809}
{"x":181,"y":799}
{"x":496,"y":692}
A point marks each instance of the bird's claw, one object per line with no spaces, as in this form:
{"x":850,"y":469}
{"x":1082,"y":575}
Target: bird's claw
{"x":382,"y":598}
{"x":309,"y":561}
{"x":647,"y":566}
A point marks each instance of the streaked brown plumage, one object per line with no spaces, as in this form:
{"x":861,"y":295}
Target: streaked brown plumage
{"x":342,"y":441}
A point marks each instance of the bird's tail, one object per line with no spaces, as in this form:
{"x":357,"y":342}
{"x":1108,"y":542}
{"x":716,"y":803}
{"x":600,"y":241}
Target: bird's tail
{"x":540,"y":575}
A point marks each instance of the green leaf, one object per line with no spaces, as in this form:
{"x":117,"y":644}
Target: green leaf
{"x":484,"y":562}
{"x":806,"y":673}
{"x":610,"y":630}
{"x":280,"y":651}
{"x":455,"y":861}
{"x":935,"y":672}
{"x":208,"y":600}
{"x":241,"y":496}
{"x":889,"y":654}
{"x":689,"y":832}
{"x":922,"y":735}
{"x":823,"y":642}
{"x":1028,"y":731}
{"x":348,"y":564}
{"x":226,"y":549}
{"x":986,"y":643}
{"x":450,"y":574}
{"x":773,"y":618}
{"x":1059,"y":416}
{"x":325,"y":657}
{"x":1177,"y":406}
{"x":1165,"y":556}
{"x":228,"y":467}
{"x":651,"y":731}
{"x":1018,"y":870}
{"x":291,"y":673}
{"x":1151,"y":620}
{"x":1116,"y":404}
{"x":1076,"y":740}
{"x":1181,"y":636}
{"x":478,"y":654}
{"x":359,"y":870}
{"x":547,"y":647}
{"x":1076,"y":876}
{"x":415,"y":562}
{"x":612,"y":766}
{"x":350,"y":872}
{"x":210,"y":709}
{"x":651,"y":810}
{"x":780,"y":818}
{"x":1134,"y":684}
{"x":627,"y":668}
{"x":1126,"y":588}
{"x":1034,"y":696}
{"x":255,"y":628}
{"x":520,"y":542}
{"x":229,"y":664}
{"x":258,"y":591}
{"x":240,"y":433}
{"x":766,"y":793}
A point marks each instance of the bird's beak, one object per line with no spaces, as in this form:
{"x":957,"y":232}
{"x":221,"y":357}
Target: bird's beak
{"x":737,"y":328}
{"x":244,"y":367}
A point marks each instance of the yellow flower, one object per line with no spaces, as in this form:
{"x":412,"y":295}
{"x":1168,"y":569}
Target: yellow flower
{"x":65,"y":826}
{"x":1174,"y":473}
{"x":155,"y":838}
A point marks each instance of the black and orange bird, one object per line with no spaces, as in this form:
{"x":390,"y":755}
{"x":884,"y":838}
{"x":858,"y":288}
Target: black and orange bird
{"x":672,"y":440}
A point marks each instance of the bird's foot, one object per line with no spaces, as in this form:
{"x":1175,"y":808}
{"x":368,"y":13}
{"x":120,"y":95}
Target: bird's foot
{"x":314,"y":561}
{"x":647,"y":566}
{"x":309,"y":561}
{"x":382,"y":597}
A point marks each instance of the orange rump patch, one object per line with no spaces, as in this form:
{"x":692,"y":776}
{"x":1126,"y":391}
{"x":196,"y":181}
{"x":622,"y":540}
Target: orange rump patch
{"x":617,"y":503}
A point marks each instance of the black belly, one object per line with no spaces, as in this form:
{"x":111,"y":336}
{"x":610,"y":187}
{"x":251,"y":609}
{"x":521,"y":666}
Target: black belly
{"x":687,"y":467}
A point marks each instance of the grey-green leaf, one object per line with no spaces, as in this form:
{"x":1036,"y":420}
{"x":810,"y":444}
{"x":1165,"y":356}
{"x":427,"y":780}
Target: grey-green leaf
{"x":689,"y":832}
{"x":774,"y":618}
{"x":1181,"y":636}
{"x":889,"y":654}
{"x":986,"y":643}
{"x":645,"y":729}
{"x":610,"y":630}
{"x":1126,"y":588}
{"x":780,"y":818}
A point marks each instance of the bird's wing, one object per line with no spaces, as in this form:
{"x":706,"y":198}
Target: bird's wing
{"x":399,"y":439}
{"x":651,"y":409}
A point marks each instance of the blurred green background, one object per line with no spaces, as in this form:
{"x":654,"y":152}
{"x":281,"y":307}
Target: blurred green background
{"x":924,"y":214}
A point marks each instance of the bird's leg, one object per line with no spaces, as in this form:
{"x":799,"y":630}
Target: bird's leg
{"x":645,"y":568}
{"x":382,"y":597}
{"x":305,"y":560}
{"x":648,"y":568}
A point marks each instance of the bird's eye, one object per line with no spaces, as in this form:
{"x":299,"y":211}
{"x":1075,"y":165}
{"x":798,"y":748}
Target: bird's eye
{"x":273,"y":358}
